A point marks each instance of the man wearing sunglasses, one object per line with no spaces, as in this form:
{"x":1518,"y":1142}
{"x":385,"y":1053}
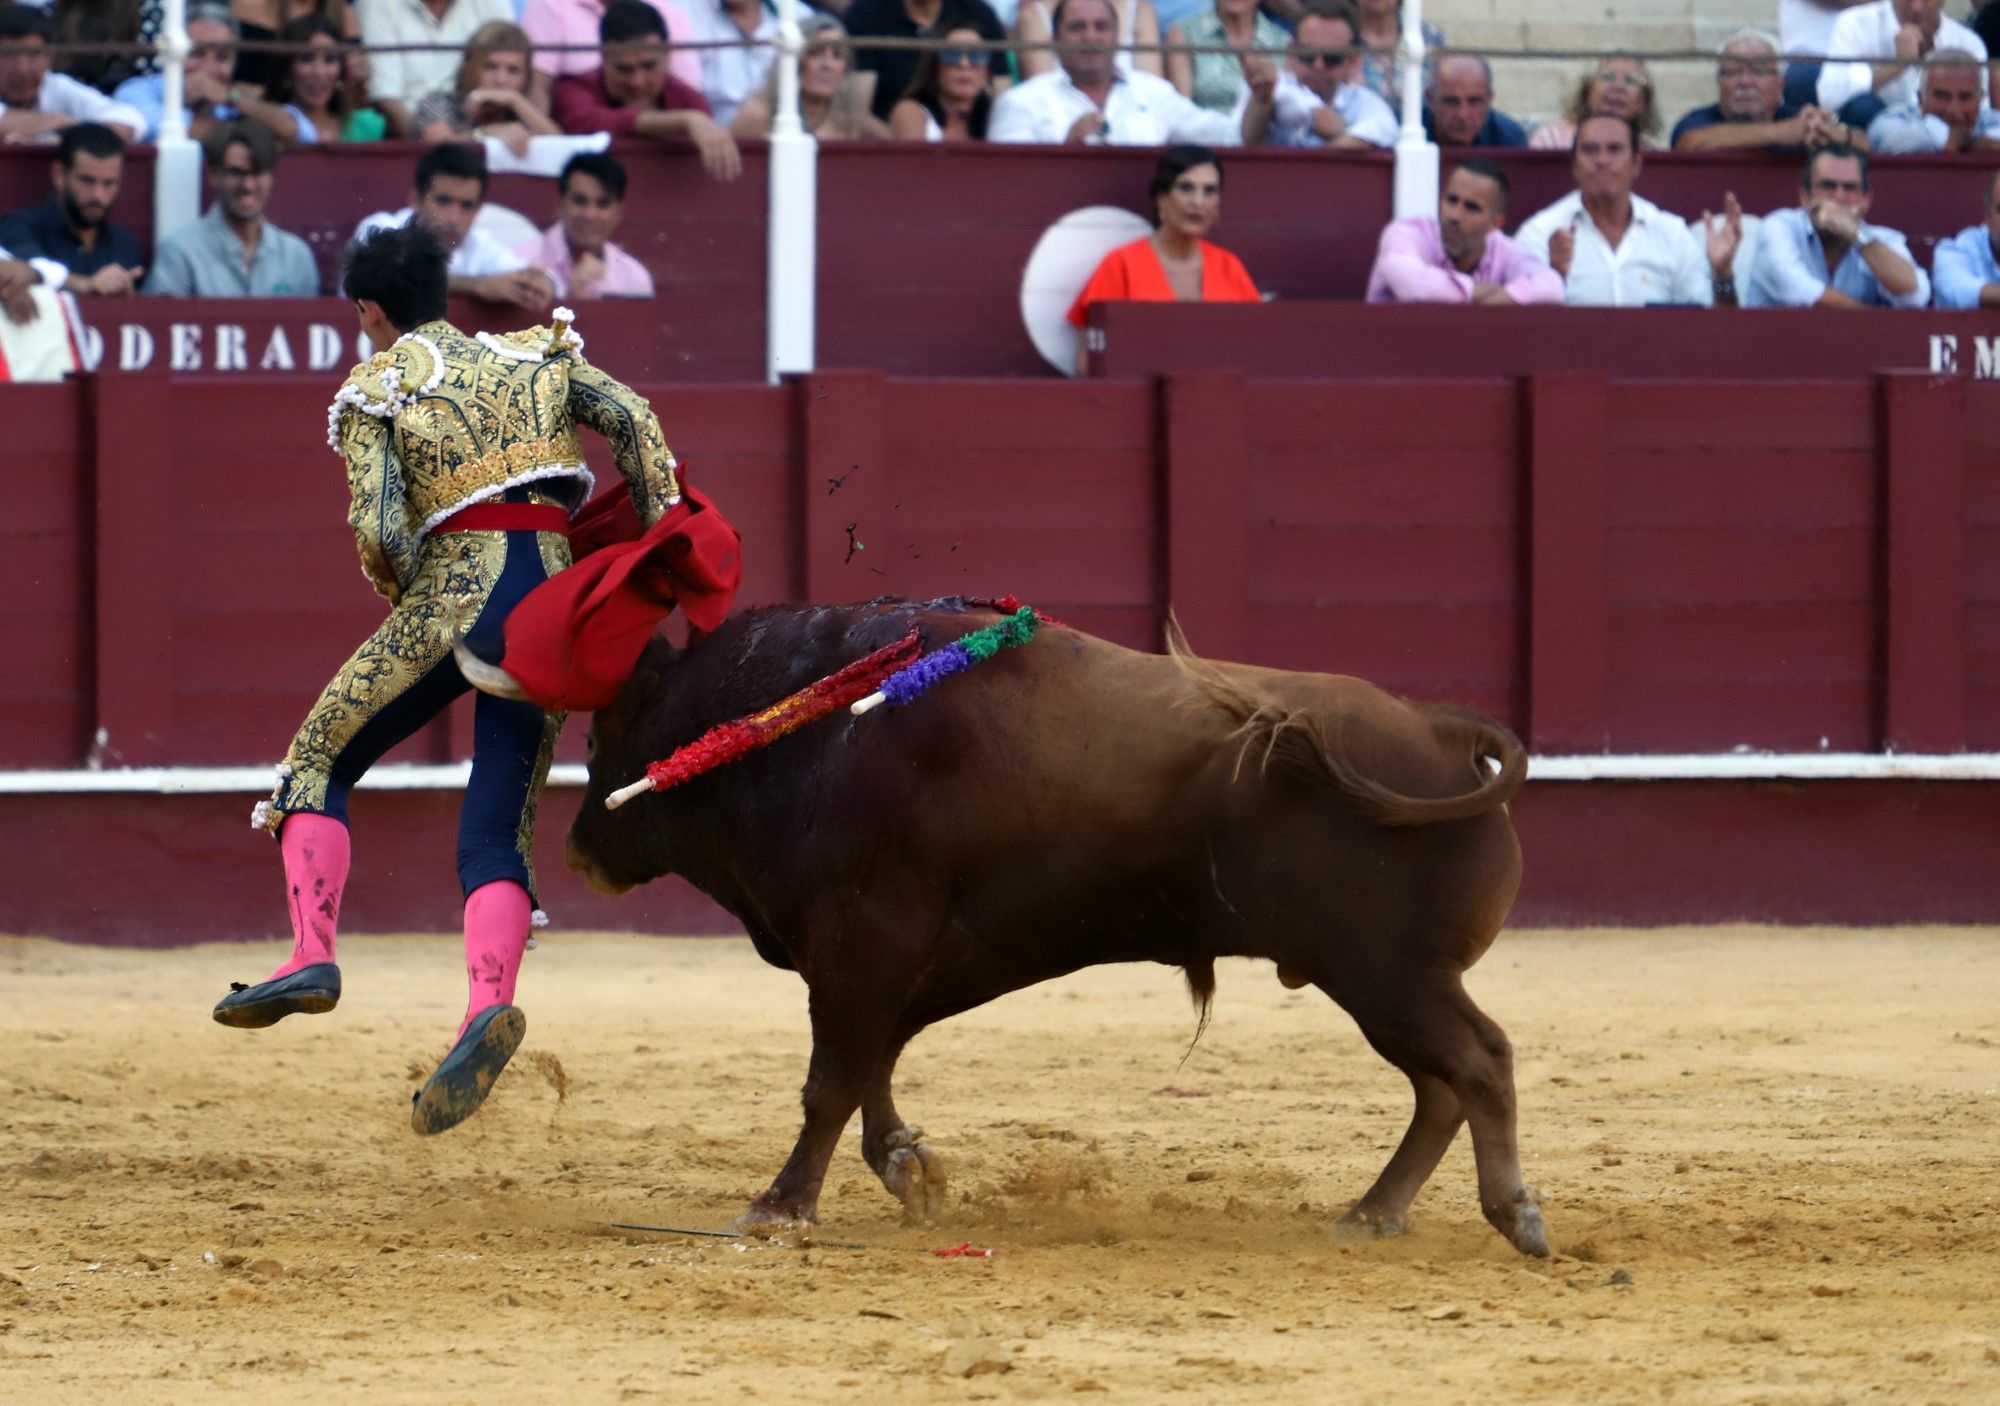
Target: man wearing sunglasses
{"x":1319,"y":100}
{"x":1825,"y":254}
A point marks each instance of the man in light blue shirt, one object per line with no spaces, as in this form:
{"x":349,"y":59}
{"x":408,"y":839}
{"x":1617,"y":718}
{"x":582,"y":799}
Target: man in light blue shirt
{"x":233,"y":251}
{"x":1825,"y":253}
{"x":1965,"y":268}
{"x":212,"y":33}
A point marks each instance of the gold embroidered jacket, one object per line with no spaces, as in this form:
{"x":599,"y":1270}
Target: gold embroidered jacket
{"x":441,"y":420}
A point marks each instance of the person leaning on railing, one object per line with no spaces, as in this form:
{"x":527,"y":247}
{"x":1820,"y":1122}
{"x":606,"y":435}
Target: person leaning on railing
{"x":489,"y":97}
{"x":1951,"y":114}
{"x":319,"y":98}
{"x":565,"y":35}
{"x":70,"y":238}
{"x":1750,"y":110}
{"x":831,"y":101}
{"x":633,"y":95}
{"x":35,"y":104}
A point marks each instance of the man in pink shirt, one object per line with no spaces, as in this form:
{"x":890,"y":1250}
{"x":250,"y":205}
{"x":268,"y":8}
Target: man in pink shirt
{"x":576,"y":251}
{"x":1461,"y":256}
{"x":632,"y":95}
{"x":553,"y":24}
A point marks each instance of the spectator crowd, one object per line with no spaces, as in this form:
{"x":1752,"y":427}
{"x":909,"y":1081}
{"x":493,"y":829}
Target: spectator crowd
{"x":542,"y":84}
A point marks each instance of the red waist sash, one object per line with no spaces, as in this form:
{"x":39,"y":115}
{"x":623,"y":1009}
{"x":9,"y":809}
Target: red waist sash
{"x":507,"y":517}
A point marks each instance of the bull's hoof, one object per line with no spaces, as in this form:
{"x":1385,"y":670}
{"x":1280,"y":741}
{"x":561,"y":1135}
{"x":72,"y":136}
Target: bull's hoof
{"x":914,"y":1173}
{"x":1521,"y":1222}
{"x":773,"y":1223}
{"x":1367,"y":1223}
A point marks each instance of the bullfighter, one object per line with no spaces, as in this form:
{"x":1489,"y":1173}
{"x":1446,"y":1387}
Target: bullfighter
{"x":464,"y":470}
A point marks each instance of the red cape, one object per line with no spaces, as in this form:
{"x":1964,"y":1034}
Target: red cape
{"x":574,"y":640}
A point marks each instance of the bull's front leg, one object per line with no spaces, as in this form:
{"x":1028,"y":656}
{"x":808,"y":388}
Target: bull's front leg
{"x":848,"y":1046}
{"x":909,"y":1167}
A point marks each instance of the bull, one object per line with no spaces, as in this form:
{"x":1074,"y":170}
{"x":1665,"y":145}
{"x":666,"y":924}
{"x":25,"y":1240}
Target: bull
{"x":1073,"y":803}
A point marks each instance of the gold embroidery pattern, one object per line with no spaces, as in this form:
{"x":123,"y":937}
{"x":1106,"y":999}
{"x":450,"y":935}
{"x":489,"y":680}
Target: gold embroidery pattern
{"x":455,"y":574}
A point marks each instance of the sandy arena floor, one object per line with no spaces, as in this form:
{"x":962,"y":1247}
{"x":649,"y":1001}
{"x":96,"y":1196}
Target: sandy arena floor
{"x":1768,"y":1158}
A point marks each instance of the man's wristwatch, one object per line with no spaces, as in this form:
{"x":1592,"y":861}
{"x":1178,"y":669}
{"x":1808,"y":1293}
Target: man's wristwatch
{"x":1863,"y":237}
{"x":1724,"y":285}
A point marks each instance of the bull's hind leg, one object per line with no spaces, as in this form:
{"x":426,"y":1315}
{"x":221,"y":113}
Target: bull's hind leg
{"x":1431,"y":1029}
{"x":909,"y":1167}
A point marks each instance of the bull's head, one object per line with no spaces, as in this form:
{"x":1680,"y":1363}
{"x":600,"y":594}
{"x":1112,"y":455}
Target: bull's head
{"x":609,"y":848}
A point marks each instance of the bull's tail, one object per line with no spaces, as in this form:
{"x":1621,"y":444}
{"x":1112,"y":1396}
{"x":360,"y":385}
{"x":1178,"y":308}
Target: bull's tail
{"x":1307,"y":742}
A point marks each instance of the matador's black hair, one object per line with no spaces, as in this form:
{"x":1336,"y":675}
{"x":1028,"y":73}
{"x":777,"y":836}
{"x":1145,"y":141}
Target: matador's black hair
{"x":403,"y":269}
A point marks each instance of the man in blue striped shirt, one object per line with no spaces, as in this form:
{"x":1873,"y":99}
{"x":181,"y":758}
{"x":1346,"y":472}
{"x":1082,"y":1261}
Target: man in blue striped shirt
{"x":1825,"y":253}
{"x":1965,"y":268}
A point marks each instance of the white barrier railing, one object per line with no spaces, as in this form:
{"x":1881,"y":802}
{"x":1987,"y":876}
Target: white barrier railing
{"x":452,"y":776}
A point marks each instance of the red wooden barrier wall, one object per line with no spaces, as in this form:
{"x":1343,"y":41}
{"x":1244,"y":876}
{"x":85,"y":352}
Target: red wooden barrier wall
{"x":1634,"y":567}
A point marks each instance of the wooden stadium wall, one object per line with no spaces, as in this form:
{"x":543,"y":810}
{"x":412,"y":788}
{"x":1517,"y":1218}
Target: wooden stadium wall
{"x":1612,"y":566}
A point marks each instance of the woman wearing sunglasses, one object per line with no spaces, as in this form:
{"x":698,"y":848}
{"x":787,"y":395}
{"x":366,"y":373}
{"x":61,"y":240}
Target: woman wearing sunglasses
{"x":949,"y":98}
{"x":1619,"y":86}
{"x":1175,"y":263}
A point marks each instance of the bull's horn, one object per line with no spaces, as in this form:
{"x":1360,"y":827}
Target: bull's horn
{"x":487,"y":678}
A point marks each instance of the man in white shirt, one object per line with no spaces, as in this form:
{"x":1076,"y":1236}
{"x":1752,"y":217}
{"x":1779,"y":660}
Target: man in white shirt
{"x":450,"y":188}
{"x":1320,"y":101}
{"x":1088,"y":99}
{"x":35,"y":104}
{"x":1616,"y":249}
{"x":732,"y":73}
{"x":1949,"y":116}
{"x":398,"y":82}
{"x":1886,"y":39}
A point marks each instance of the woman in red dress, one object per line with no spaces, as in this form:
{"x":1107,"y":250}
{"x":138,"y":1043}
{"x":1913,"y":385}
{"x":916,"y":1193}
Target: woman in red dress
{"x":1173,"y":264}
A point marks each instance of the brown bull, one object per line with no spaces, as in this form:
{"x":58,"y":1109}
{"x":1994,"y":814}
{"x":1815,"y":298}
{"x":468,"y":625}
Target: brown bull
{"x":1072,"y":803}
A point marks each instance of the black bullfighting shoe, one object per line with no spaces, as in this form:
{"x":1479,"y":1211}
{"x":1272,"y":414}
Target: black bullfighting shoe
{"x":308,"y":991}
{"x":461,"y":1083}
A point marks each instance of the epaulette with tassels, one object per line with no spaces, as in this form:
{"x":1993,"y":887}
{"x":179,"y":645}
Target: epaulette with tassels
{"x":412,"y":366}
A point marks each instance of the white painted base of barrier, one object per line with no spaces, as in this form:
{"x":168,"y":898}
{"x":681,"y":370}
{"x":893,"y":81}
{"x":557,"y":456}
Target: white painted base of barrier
{"x":1725,"y":766}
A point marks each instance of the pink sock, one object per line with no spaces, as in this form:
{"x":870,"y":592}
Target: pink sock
{"x":497,"y":916}
{"x":315,"y":851}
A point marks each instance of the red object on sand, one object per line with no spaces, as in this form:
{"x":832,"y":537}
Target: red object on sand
{"x":574,"y":640}
{"x":963,"y":1251}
